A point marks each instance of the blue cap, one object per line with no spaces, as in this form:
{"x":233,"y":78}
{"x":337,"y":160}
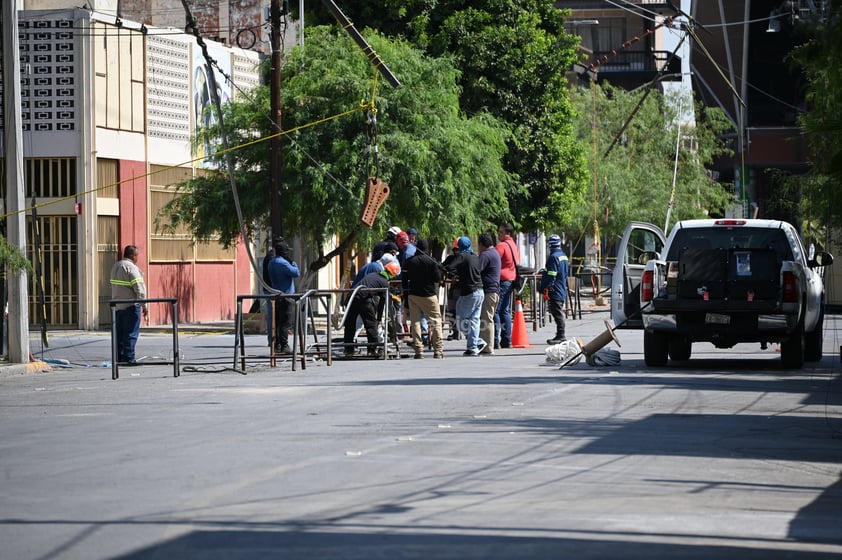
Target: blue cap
{"x":412,"y":231}
{"x":554,"y":241}
{"x":464,"y":243}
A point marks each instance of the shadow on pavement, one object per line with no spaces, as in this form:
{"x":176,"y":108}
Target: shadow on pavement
{"x":295,"y":544}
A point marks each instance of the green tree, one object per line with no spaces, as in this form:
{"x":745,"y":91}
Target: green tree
{"x":512,"y":55}
{"x":634,"y":181}
{"x":12,"y":258}
{"x":444,"y":169}
{"x":820,"y":57}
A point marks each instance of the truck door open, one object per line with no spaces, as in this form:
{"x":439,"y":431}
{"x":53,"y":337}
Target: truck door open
{"x":640,"y":243}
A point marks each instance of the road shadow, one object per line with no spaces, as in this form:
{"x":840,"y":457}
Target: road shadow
{"x":819,"y":520}
{"x":303,"y":545}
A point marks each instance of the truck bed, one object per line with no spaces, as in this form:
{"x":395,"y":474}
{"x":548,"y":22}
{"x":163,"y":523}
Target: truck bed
{"x":744,"y":279}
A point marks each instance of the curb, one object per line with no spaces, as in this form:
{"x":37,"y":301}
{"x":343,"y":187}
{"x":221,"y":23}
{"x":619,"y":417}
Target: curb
{"x":21,"y":369}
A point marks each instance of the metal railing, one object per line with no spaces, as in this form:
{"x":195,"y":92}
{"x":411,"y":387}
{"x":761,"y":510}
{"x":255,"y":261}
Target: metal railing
{"x":115,"y":370}
{"x":579,"y":287}
{"x":239,"y":331}
{"x":636,"y":61}
{"x":304,"y":322}
{"x":384,"y":319}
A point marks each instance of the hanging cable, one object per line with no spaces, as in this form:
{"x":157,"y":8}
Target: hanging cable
{"x":597,"y":297}
{"x":626,"y":44}
{"x":229,"y":160}
{"x":644,"y":96}
{"x":371,"y":130}
{"x":671,"y":203}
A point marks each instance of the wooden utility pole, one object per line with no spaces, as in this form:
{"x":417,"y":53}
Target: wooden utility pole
{"x":275,"y":170}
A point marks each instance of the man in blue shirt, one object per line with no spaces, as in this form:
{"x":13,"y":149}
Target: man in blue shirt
{"x":282,"y":272}
{"x":554,"y":286}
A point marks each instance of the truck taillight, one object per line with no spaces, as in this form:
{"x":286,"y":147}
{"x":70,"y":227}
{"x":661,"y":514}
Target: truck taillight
{"x":790,"y":287}
{"x":647,"y":285}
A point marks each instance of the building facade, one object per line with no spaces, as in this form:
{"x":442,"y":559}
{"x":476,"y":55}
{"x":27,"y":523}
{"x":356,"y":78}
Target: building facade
{"x":109,"y":111}
{"x":624,"y":43}
{"x":738,"y":63}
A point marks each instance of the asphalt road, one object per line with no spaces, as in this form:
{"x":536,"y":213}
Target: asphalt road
{"x":498,"y":457}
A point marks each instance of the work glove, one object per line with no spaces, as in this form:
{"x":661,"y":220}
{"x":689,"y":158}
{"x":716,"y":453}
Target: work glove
{"x":546,"y":294}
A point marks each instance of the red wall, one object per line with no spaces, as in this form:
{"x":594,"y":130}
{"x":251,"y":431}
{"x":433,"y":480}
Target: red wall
{"x":206,"y":291}
{"x":170,"y":280}
{"x":216,"y":294}
{"x":134,"y":228}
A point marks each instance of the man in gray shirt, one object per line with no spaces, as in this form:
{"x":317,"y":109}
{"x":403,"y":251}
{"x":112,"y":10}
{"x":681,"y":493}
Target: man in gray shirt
{"x":127,"y":283}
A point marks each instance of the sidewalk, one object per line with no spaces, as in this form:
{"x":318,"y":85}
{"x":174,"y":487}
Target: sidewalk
{"x":213,"y":343}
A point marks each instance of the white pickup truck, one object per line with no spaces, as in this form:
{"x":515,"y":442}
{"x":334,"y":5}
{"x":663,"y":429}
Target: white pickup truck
{"x":724,"y":281}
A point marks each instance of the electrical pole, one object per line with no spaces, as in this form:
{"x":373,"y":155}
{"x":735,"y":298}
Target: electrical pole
{"x":15,"y":201}
{"x":275,"y":175}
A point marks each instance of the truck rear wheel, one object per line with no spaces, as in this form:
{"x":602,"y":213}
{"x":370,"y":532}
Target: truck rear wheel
{"x":680,"y":348}
{"x":655,"y":349}
{"x":813,"y":341}
{"x":792,"y":349}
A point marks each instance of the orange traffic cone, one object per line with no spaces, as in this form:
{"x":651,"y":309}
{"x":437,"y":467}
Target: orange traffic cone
{"x":519,"y":337}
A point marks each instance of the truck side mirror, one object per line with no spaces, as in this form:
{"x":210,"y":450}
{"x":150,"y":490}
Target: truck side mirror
{"x":820,"y":259}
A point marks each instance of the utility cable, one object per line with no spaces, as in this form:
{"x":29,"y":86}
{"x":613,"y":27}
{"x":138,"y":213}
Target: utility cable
{"x":635,"y":9}
{"x":710,"y":57}
{"x":182,"y":164}
{"x":643,"y":97}
{"x":626,"y":44}
{"x":223,"y":133}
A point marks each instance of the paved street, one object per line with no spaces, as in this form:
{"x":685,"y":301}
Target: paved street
{"x":497,"y":457}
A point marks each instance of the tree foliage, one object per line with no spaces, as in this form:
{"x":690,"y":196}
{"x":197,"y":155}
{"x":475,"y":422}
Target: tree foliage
{"x":13,"y":258}
{"x":512,"y":56}
{"x":820,"y":57}
{"x":444,"y":169}
{"x":634,"y":181}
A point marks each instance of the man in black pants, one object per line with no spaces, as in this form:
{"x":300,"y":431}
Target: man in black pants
{"x":369,"y":305}
{"x":554,"y":286}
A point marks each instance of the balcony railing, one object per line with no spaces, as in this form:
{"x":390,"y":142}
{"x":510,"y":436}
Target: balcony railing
{"x":636,"y":62}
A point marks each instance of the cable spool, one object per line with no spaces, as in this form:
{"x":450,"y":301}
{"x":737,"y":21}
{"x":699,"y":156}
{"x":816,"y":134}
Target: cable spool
{"x":604,"y":338}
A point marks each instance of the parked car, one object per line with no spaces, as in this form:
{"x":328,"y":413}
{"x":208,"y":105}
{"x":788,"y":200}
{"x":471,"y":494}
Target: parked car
{"x":725,"y":281}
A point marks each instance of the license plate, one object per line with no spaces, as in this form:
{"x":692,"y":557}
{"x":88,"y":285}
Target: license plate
{"x":717,"y":319}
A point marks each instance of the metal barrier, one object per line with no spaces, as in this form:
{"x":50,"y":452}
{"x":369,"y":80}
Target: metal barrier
{"x":304,"y":314}
{"x":384,"y":320}
{"x":239,"y":332}
{"x":115,"y":371}
{"x":299,"y":333}
{"x":536,"y":310}
{"x":573,"y":304}
{"x":444,"y":287}
{"x":534,"y":313}
{"x":599,"y":288}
